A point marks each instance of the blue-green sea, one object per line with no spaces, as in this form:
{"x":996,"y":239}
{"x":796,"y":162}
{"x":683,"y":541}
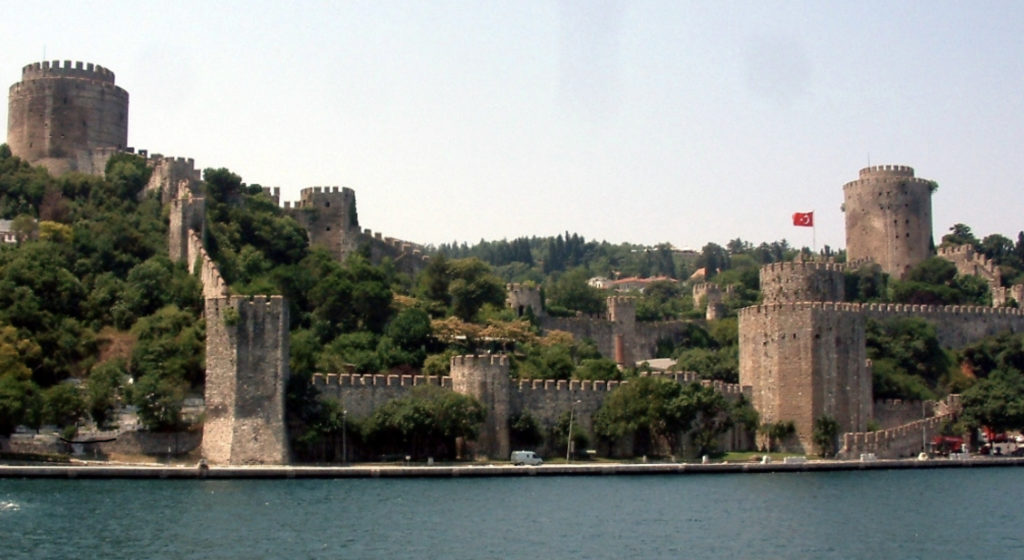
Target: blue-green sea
{"x":954,"y":513}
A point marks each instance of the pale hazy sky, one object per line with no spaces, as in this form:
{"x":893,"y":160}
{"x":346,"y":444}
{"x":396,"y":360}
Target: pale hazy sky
{"x":675,"y":121}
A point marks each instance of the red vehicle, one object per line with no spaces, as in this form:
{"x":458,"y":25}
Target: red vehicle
{"x":944,"y":445}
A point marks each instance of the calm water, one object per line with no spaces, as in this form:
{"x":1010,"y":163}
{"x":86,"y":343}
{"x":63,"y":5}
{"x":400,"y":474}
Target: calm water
{"x":956,"y":513}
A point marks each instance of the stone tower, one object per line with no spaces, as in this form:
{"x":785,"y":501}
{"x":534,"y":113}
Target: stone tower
{"x":802,"y":361}
{"x":246,"y":372}
{"x":622,"y":314}
{"x":888,"y":218}
{"x":487,"y":379}
{"x":67,"y":117}
{"x":329,"y":215}
{"x":788,"y":282}
{"x":520,"y":297}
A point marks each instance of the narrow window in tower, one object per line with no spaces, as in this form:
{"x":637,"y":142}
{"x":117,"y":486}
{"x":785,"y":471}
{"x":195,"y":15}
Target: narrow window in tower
{"x":328,"y":228}
{"x":327,"y":204}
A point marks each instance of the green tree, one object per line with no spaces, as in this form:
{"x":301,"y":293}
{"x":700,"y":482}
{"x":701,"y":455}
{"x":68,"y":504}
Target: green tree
{"x":710,"y":416}
{"x":63,"y":405}
{"x":425,"y":423}
{"x":996,"y":401}
{"x":825,"y":435}
{"x":959,"y":234}
{"x":473,"y":286}
{"x":647,"y":410}
{"x":571,"y":292}
{"x":524,"y":431}
{"x":102,"y":389}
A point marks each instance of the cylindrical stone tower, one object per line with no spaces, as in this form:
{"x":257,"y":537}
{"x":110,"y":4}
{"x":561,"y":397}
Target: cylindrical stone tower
{"x":64,"y":116}
{"x":888,"y":218}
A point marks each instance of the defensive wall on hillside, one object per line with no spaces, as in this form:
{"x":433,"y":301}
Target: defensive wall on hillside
{"x":617,"y":334}
{"x":487,"y":378}
{"x":329,"y":215}
{"x":971,"y":263}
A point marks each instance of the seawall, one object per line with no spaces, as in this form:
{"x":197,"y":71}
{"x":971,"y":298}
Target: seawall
{"x":473,"y":471}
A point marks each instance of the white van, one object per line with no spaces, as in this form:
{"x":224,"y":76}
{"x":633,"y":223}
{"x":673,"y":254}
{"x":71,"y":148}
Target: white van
{"x":525,"y":458}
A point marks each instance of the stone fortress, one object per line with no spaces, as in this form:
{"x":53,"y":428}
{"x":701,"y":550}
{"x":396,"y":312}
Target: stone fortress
{"x":802,"y":352}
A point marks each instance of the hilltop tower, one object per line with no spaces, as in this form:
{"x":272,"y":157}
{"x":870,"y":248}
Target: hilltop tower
{"x":522,"y":297}
{"x":68,"y":117}
{"x":329,"y":215}
{"x":888,"y":218}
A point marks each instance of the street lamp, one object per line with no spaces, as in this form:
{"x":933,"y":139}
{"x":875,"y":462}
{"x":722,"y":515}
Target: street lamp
{"x":568,"y":443}
{"x":344,"y":438}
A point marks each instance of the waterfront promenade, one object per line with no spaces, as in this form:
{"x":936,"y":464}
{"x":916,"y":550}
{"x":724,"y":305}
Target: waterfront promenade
{"x":93,"y":471}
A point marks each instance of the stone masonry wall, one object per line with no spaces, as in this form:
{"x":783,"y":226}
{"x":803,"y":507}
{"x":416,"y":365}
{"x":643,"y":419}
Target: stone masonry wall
{"x":172,"y":177}
{"x":901,"y":441}
{"x":487,"y":379}
{"x":890,"y":413}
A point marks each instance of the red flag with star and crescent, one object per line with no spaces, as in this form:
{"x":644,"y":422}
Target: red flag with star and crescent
{"x":803,"y":219}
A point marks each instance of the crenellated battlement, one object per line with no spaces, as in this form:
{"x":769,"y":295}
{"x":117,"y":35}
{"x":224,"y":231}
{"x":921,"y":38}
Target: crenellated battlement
{"x":378,"y":380}
{"x":891,"y":170}
{"x":475,"y":360}
{"x":803,"y":267}
{"x":319,"y":190}
{"x":48,"y":69}
{"x":199,"y":262}
{"x":952,"y":311}
{"x":892,"y":443}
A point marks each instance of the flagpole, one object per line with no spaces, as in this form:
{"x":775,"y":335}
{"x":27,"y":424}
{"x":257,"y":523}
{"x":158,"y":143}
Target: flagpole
{"x":814,"y":234}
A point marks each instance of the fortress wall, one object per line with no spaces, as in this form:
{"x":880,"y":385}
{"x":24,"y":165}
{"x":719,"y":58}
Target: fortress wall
{"x":971,"y":263}
{"x":246,"y":371}
{"x":361,"y":394}
{"x":487,"y":379}
{"x":955,"y":325}
{"x":407,"y":257}
{"x":706,"y":293}
{"x":199,"y":262}
{"x":902,"y":441}
{"x":648,"y":334}
{"x":597,"y":329}
{"x":172,"y":177}
{"x":890,"y":413}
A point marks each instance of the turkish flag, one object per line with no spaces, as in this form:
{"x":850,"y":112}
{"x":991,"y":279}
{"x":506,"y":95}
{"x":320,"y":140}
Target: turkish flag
{"x":803,"y":219}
